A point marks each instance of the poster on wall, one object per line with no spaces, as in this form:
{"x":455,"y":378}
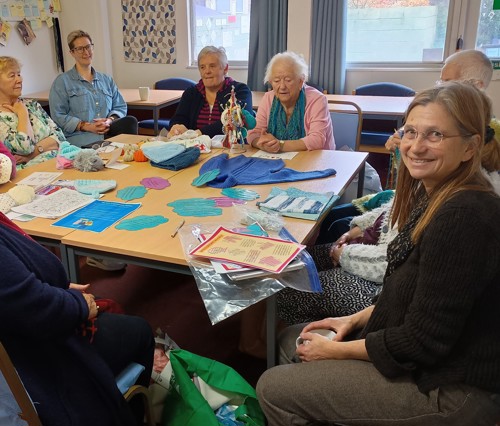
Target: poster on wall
{"x":26,"y":32}
{"x":149,"y":33}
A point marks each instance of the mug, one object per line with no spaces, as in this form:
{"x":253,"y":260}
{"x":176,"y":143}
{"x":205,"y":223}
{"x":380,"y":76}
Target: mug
{"x":329,"y":334}
{"x":144,"y":93}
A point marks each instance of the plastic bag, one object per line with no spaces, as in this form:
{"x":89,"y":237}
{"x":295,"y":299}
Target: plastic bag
{"x":224,"y":297}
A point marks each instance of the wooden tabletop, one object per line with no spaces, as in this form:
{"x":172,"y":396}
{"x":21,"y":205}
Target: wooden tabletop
{"x":157,"y":244}
{"x":131,"y":97}
{"x":375,"y":105}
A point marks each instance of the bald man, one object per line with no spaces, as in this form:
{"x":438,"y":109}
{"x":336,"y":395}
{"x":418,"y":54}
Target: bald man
{"x":471,"y":66}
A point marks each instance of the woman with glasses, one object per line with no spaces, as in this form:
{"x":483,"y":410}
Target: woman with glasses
{"x":427,"y":352}
{"x":293,"y":116}
{"x":85,"y":103}
{"x":25,"y":128}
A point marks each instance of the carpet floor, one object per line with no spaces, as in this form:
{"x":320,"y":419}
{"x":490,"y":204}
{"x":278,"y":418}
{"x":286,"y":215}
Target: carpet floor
{"x":172,"y":302}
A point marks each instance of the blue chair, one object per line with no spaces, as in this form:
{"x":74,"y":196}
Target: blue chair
{"x":17,"y":404}
{"x":374,"y":140}
{"x":146,"y":127}
{"x":347,"y":121}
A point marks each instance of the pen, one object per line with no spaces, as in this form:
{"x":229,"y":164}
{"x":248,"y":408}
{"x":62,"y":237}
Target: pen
{"x":177,"y":229}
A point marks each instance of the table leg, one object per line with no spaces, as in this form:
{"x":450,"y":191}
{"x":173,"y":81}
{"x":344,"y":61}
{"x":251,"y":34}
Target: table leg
{"x":73,"y":265}
{"x":156,"y":116}
{"x":271,"y":332}
{"x":361,"y":180}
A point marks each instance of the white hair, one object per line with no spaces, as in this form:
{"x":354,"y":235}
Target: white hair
{"x":296,"y":62}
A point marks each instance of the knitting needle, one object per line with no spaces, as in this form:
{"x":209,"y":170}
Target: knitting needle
{"x":177,"y":229}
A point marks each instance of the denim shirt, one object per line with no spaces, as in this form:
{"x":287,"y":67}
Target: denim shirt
{"x":73,"y":99}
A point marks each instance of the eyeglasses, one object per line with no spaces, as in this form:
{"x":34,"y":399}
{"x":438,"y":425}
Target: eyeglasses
{"x":80,"y":49}
{"x":103,"y":147}
{"x":433,"y":136}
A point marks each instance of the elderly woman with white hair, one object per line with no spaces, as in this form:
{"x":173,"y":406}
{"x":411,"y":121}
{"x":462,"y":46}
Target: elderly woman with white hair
{"x":293,"y":116}
{"x":201,"y":106}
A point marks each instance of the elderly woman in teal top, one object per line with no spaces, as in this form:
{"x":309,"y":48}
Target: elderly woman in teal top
{"x":25,"y":128}
{"x":293,"y":116}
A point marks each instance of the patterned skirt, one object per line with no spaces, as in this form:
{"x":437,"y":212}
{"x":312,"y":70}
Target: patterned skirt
{"x":343,"y":293}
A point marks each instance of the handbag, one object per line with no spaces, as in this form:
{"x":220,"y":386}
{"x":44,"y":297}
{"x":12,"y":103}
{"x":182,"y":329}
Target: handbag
{"x":186,"y":405}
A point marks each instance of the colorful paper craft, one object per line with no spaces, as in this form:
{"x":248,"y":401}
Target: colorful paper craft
{"x":269,"y":254}
{"x":141,"y":222}
{"x":131,"y":193}
{"x":226,"y":201}
{"x":206,"y":177}
{"x":198,"y":207}
{"x":155,"y":183}
{"x":242,"y":194}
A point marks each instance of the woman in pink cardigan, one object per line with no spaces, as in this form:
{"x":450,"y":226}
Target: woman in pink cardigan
{"x":293,"y":116}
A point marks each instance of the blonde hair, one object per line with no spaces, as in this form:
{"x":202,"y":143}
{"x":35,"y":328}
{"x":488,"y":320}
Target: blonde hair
{"x":469,"y":108}
{"x":296,"y":63}
{"x":73,"y":35}
{"x":7,"y":63}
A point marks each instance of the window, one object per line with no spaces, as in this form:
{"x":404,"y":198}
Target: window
{"x":488,"y":30}
{"x":223,"y":23}
{"x":406,"y":31}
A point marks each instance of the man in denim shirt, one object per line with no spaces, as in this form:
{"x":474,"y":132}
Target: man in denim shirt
{"x":85,"y":103}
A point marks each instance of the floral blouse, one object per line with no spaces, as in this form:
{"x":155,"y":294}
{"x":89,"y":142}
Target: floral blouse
{"x":19,"y":142}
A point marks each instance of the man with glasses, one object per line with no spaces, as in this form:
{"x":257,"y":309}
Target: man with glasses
{"x":85,"y":103}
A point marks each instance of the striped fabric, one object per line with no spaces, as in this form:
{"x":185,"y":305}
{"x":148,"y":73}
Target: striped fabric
{"x":205,"y":116}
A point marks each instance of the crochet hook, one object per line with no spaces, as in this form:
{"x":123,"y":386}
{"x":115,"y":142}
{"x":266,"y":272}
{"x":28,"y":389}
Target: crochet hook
{"x":177,"y":229}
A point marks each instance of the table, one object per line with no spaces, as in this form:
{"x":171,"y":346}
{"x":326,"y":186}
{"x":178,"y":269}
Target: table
{"x":158,"y":99}
{"x":372,"y":105}
{"x":155,"y":247}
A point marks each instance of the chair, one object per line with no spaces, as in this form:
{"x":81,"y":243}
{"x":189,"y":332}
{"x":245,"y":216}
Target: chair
{"x":374,"y":139}
{"x":14,"y":383}
{"x":125,"y":382}
{"x":347,"y":124}
{"x":146,"y":127}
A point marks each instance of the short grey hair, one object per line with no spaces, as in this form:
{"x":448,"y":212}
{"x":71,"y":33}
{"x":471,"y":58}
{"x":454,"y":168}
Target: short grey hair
{"x":474,"y":65}
{"x":73,"y":35}
{"x":220,"y":52}
{"x":296,"y":62}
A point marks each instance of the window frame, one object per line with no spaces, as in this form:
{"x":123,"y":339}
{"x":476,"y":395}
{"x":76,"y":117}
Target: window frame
{"x":463,"y":19}
{"x":192,"y":60}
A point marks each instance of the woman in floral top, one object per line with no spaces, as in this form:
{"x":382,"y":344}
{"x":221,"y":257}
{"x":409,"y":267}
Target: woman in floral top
{"x":25,"y":128}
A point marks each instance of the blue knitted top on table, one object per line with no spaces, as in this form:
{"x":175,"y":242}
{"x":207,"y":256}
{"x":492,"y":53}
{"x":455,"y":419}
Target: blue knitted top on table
{"x":243,"y":170}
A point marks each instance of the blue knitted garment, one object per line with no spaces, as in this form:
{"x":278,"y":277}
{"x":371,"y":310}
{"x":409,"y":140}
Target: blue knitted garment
{"x":243,"y":170}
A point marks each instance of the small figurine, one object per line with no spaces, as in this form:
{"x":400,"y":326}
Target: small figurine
{"x":235,"y":123}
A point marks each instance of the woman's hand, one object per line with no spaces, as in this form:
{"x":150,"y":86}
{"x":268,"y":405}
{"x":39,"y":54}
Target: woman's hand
{"x":93,"y":308}
{"x":80,"y":287}
{"x":267,"y":142}
{"x":393,"y":142}
{"x":342,"y":326}
{"x":335,"y":253}
{"x":177,"y":129}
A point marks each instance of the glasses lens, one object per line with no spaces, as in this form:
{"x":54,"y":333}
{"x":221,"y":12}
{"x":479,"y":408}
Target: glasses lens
{"x":80,"y":49}
{"x":96,"y":146}
{"x":434,"y":137}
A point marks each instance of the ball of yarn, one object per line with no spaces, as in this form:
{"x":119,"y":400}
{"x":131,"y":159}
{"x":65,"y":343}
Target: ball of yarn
{"x":5,"y":168}
{"x":22,"y":194}
{"x":88,"y":160}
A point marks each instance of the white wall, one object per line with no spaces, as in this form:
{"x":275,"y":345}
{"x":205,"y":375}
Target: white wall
{"x":103,"y":20}
{"x":38,"y":60}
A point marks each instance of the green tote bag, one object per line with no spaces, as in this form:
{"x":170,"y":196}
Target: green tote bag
{"x":186,"y":406}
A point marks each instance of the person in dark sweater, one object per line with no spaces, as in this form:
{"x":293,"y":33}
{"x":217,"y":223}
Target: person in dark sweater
{"x":201,"y":106}
{"x":428,"y":351}
{"x":66,"y":352}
